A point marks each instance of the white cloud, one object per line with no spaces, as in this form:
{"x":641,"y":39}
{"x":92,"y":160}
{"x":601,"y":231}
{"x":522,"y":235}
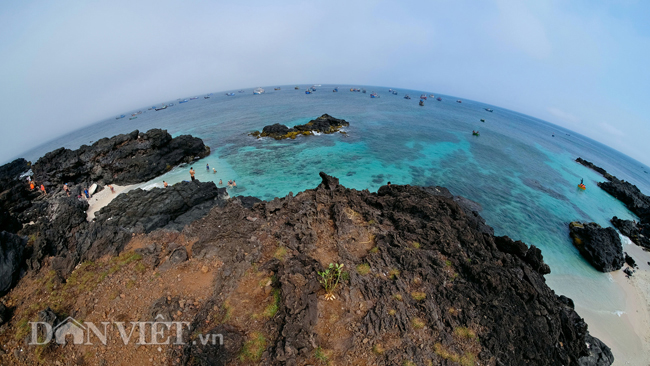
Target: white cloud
{"x":611,"y":129}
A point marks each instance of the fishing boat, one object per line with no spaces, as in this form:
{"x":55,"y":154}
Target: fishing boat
{"x":258,"y":91}
{"x":161,"y":108}
{"x":171,"y":104}
{"x":183,"y":101}
{"x":407,"y":96}
{"x":489,"y":110}
{"x":313,"y":87}
{"x":363,"y":90}
{"x":394,"y":92}
{"x":476,"y":133}
{"x":277,"y":89}
{"x":241,"y":91}
{"x":132,"y":118}
{"x":421,"y":103}
{"x":423,"y":97}
{"x":374,"y":95}
{"x":230,"y":94}
{"x":206,"y":97}
{"x":482,"y":120}
{"x":390,"y":90}
{"x":335,"y":90}
{"x":459,"y":101}
{"x":439,"y":99}
{"x":150,"y":108}
{"x":194,"y":98}
{"x":431,"y":96}
{"x":122,"y":116}
{"x":308,"y":91}
{"x":297,"y":88}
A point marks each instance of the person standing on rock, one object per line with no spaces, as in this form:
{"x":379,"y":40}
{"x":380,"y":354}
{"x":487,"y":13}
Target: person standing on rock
{"x":192,"y":172}
{"x":66,"y":189}
{"x":43,"y":189}
{"x":165,"y":184}
{"x":111,"y":187}
{"x":86,"y":194}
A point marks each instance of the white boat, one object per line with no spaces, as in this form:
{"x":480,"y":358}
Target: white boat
{"x":258,"y":91}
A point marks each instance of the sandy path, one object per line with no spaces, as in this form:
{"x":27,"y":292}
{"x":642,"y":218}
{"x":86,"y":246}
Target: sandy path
{"x":103,"y":198}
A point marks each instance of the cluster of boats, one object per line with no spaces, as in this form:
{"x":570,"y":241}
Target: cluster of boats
{"x":310,"y":90}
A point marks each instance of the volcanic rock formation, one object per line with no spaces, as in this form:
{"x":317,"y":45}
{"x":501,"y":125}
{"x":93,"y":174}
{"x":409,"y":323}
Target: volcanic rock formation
{"x":323,"y":124}
{"x":599,"y":246}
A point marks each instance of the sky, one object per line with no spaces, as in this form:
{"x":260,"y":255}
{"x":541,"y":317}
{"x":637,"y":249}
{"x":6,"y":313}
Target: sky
{"x":580,"y":64}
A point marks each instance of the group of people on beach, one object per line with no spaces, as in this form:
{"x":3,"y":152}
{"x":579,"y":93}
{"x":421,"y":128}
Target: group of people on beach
{"x":231,"y":183}
{"x":66,"y":188}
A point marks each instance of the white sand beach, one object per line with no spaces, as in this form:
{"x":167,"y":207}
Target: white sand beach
{"x":103,"y":198}
{"x":627,"y":333}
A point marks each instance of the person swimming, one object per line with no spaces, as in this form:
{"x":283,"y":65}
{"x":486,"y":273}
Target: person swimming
{"x":165,"y":184}
{"x":207,"y":167}
{"x":214,"y":171}
{"x":220,"y":182}
{"x":234,"y":184}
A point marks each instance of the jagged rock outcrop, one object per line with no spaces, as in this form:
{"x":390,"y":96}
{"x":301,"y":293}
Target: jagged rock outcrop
{"x":122,"y":159}
{"x":625,"y":192}
{"x":423,"y":284}
{"x":11,"y":255}
{"x":15,"y":196}
{"x":637,"y":232}
{"x":630,"y":195}
{"x":591,"y":165}
{"x":599,"y":246}
{"x":323,"y":124}
{"x":135,"y":212}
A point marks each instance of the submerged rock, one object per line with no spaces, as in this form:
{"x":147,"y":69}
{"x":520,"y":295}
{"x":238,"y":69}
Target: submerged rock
{"x":599,"y":246}
{"x":323,"y":124}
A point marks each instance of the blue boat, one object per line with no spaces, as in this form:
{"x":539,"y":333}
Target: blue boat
{"x":407,"y":96}
{"x":122,"y":116}
{"x":230,"y":94}
{"x":335,"y":90}
{"x":374,"y":95}
{"x":394,"y":92}
{"x":183,"y":101}
{"x":308,"y":91}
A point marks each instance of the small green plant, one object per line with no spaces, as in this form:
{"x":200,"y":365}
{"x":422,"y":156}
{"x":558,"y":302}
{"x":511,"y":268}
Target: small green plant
{"x":253,"y":349}
{"x":374,"y":250}
{"x":397,"y":297}
{"x":392,"y":312}
{"x":464,"y":332}
{"x":417,"y":323}
{"x":371,"y":222}
{"x":418,"y":296}
{"x":273,"y":307}
{"x":416,"y":245}
{"x":448,"y":263}
{"x":330,"y":279}
{"x":393,"y":274}
{"x":378,"y":349}
{"x":280,"y":253}
{"x":408,"y":363}
{"x":320,"y":355}
{"x":363,"y":269}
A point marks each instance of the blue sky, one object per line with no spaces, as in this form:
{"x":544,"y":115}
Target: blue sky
{"x":578,"y":64}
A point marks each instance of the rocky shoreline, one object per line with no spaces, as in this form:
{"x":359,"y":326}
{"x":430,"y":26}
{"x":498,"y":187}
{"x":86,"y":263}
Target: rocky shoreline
{"x":634,"y":199}
{"x":424,"y":280}
{"x":324,"y":124}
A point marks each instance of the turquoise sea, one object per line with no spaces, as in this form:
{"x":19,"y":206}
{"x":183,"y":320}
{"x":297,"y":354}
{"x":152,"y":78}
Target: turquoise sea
{"x":524,"y":177}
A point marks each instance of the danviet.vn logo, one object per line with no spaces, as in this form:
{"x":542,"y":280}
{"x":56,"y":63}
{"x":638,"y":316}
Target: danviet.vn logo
{"x":158,"y":332}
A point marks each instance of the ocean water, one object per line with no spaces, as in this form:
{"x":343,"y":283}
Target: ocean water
{"x":524,"y":177}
